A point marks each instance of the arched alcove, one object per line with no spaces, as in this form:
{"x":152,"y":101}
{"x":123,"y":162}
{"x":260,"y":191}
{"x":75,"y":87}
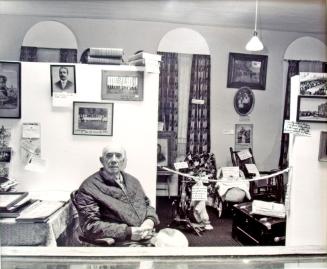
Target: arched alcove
{"x":49,"y":41}
{"x":306,"y":48}
{"x":184,"y":40}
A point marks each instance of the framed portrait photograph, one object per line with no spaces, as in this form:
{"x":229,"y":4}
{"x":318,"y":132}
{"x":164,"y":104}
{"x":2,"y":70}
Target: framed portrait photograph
{"x":122,"y":85}
{"x":313,"y":84}
{"x":323,"y":147}
{"x":5,"y":155}
{"x":244,"y":101}
{"x":312,"y":109}
{"x":165,"y":149}
{"x":243,"y":136}
{"x":62,"y":79}
{"x":10,"y":90}
{"x":248,"y":70}
{"x":90,"y":118}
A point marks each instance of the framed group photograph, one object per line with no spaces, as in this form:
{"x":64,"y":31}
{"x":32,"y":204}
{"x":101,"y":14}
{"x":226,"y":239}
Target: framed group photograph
{"x":243,"y":136}
{"x":248,"y":70}
{"x":244,"y":101}
{"x":63,"y":79}
{"x":91,"y":118}
{"x":312,"y":109}
{"x":323,"y":147}
{"x":122,"y":85}
{"x":10,"y":90}
{"x":165,"y":149}
{"x":313,"y":84}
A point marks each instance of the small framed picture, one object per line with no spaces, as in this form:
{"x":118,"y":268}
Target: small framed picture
{"x":122,"y":85}
{"x":5,"y":155}
{"x":313,"y":84}
{"x":10,"y":90}
{"x":90,"y":118}
{"x":312,"y":109}
{"x":243,"y":136}
{"x":247,"y":70}
{"x":323,"y":147}
{"x":62,"y":79}
{"x":244,"y":101}
{"x":165,"y":149}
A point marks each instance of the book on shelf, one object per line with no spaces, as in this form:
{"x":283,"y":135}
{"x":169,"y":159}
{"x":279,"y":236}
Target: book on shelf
{"x":40,"y":211}
{"x":146,"y":56}
{"x":106,"y":52}
{"x":95,"y":60}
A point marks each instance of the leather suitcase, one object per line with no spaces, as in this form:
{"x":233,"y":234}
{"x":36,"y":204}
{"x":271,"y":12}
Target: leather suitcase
{"x":252,"y":229}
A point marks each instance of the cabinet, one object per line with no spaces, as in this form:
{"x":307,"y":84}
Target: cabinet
{"x":253,"y":229}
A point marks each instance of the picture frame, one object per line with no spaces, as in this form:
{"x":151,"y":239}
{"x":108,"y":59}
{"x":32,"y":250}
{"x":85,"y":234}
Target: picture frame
{"x":8,"y":199}
{"x":243,"y":136}
{"x":312,"y":109}
{"x":10,"y":90}
{"x":313,"y":84}
{"x":248,"y":70}
{"x":244,"y":101}
{"x":165,"y":149}
{"x":322,"y":157}
{"x":122,"y":85}
{"x":92,"y":118}
{"x":63,"y":79}
{"x":5,"y":155}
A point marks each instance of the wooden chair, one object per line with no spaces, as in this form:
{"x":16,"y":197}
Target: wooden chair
{"x":271,"y":189}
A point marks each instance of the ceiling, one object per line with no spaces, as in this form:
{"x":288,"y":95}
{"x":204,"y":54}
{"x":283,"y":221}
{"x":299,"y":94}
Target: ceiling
{"x":282,"y":15}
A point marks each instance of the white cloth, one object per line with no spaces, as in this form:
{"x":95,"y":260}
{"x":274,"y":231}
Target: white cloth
{"x":225,"y":185}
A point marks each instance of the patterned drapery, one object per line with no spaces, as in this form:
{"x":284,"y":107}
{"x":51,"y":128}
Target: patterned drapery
{"x":68,"y":55}
{"x":168,"y":91}
{"x":28,"y":54}
{"x":198,"y":129}
{"x":293,"y":69}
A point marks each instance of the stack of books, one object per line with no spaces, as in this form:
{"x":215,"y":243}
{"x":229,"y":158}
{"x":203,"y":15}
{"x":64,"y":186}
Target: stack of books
{"x":149,"y":60}
{"x":112,"y":56}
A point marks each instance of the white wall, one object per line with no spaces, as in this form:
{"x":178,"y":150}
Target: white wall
{"x":71,"y":158}
{"x":307,"y":222}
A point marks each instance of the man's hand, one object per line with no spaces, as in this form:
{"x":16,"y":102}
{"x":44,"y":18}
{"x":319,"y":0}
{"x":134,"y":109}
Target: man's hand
{"x":147,"y":224}
{"x":139,"y":233}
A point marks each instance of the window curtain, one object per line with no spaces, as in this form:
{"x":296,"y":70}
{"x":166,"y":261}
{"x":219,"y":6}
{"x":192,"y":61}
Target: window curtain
{"x":184,"y":80}
{"x":198,"y":129}
{"x":68,"y":55}
{"x":168,"y":91}
{"x":28,"y":54}
{"x":294,"y":68}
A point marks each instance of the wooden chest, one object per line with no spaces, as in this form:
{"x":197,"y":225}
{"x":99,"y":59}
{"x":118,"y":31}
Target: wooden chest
{"x":252,"y":229}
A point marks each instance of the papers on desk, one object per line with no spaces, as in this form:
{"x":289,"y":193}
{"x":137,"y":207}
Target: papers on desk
{"x":270,"y":209}
{"x":39,"y":211}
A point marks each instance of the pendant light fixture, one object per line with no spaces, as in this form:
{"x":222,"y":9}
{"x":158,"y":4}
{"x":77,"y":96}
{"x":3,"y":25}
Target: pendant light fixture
{"x":255,"y":43}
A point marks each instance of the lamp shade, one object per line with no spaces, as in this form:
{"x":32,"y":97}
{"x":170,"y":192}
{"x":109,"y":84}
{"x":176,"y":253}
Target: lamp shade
{"x":254,"y":44}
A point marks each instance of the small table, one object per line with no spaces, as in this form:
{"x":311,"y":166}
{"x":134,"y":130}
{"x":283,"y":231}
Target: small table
{"x":13,"y":233}
{"x":257,"y":229}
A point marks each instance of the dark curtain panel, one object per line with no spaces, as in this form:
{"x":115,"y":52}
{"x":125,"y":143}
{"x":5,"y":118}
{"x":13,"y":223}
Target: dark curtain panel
{"x":293,"y":69}
{"x":198,"y":128}
{"x":68,"y":55}
{"x":28,"y":54}
{"x":168,"y":91}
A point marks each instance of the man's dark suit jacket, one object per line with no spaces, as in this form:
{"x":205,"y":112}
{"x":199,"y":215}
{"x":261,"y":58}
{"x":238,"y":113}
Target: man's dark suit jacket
{"x":69,"y":85}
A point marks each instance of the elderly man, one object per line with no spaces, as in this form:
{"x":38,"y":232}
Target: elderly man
{"x":112,"y":203}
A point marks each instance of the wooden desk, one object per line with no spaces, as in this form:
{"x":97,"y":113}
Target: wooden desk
{"x":14,"y":233}
{"x":165,"y":177}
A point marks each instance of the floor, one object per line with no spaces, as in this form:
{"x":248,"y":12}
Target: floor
{"x":221,"y":235}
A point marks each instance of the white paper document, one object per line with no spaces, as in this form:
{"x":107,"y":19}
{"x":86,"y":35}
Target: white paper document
{"x":231,"y":172}
{"x":31,"y":130}
{"x":244,"y":154}
{"x":199,"y":192}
